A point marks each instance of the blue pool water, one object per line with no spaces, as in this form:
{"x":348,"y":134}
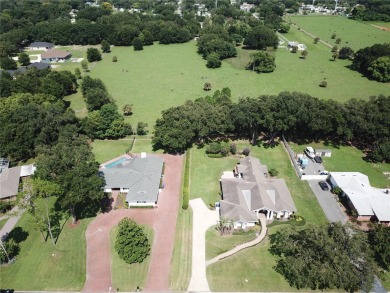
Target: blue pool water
{"x":113,"y":164}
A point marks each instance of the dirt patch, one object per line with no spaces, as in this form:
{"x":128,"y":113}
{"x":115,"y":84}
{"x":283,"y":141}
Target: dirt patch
{"x":74,"y":225}
{"x":383,"y":28}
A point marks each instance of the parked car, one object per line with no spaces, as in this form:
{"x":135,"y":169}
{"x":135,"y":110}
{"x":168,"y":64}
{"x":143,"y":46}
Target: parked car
{"x":323,"y":185}
{"x":318,"y":159}
{"x":309,"y":151}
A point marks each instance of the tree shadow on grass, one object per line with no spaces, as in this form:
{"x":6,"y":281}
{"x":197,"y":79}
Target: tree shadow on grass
{"x":18,"y":235}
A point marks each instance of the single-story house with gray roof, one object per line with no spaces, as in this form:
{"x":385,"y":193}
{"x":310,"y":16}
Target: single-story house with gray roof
{"x":140,"y":178}
{"x":249,"y":191}
{"x":38,"y":46}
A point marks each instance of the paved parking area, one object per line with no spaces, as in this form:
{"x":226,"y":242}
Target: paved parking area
{"x":328,"y":203}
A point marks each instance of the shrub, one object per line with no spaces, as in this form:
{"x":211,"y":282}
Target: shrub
{"x":224,"y":151}
{"x":246,"y":151}
{"x":12,"y":249}
{"x":186,"y":196}
{"x":131,"y":243}
{"x":213,"y":61}
{"x":114,"y":59}
{"x":93,"y":55}
{"x":323,"y":84}
{"x":233,"y":148}
{"x":273,"y":172}
{"x":316,"y":40}
{"x":142,"y":128}
{"x":333,"y":36}
{"x":214,"y":148}
{"x":207,"y":86}
{"x":138,"y":44}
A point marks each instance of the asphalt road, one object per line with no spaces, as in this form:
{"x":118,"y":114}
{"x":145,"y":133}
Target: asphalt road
{"x":328,"y":203}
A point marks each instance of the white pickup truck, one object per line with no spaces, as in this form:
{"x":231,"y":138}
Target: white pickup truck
{"x":309,"y":151}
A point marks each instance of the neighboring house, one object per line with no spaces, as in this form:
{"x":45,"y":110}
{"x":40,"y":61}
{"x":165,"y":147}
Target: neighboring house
{"x":246,"y":7}
{"x":371,"y":204}
{"x":55,"y":55}
{"x":10,"y":179}
{"x":248,"y":191}
{"x":299,"y":46}
{"x":140,"y":178}
{"x":35,"y":46}
{"x":37,"y":65}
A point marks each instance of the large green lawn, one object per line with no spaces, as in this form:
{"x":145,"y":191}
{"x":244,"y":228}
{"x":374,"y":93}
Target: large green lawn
{"x":350,"y":159}
{"x":163,"y":76}
{"x":41,"y":265}
{"x":124,"y":276}
{"x":353,"y":33}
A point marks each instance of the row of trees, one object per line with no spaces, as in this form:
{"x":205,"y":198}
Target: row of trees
{"x":103,"y":120}
{"x":297,"y":115}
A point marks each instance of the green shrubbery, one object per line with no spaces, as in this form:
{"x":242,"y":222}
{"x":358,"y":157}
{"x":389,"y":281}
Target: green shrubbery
{"x":186,"y":195}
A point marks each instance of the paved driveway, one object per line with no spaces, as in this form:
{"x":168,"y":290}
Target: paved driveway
{"x":202,"y":219}
{"x":162,"y":219}
{"x":328,"y":203}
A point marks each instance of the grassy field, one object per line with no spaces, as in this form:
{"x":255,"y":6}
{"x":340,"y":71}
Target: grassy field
{"x":124,"y":276}
{"x":217,"y":244}
{"x":78,"y":104}
{"x":350,"y":159}
{"x":163,"y":76}
{"x":353,"y":33}
{"x":248,"y":270}
{"x":42,"y":266}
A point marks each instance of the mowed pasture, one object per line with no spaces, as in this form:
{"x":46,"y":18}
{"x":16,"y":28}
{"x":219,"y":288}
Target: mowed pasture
{"x":164,"y":76}
{"x":353,"y":33}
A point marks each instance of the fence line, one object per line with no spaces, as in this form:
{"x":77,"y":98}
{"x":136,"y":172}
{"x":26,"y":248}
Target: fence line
{"x":292,"y":157}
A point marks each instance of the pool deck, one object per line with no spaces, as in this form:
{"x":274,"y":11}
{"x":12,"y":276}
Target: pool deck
{"x":124,"y":156}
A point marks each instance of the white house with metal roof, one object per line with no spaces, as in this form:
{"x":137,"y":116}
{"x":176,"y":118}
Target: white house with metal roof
{"x":248,"y":191}
{"x":140,"y":178}
{"x":370,"y":203}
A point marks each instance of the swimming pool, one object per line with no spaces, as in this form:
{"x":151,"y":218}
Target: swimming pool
{"x":117,"y":162}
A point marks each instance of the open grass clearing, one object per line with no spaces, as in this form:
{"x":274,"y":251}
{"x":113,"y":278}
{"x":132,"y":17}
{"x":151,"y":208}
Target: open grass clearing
{"x":77,"y":103}
{"x":124,"y":276}
{"x":41,"y":266}
{"x":353,"y":33}
{"x":217,"y":244}
{"x":164,"y":76}
{"x":350,"y":159}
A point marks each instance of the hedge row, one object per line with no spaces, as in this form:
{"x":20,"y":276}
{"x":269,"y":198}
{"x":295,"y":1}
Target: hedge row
{"x":186,"y":193}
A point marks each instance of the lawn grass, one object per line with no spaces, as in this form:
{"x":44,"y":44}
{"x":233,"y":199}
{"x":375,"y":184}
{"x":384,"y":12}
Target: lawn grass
{"x":350,"y":159}
{"x":379,"y":23}
{"x":248,"y":270}
{"x":164,"y":76}
{"x":182,"y":252}
{"x":2,"y":223}
{"x":105,"y":150}
{"x":353,"y":33}
{"x":42,"y":266}
{"x":124,"y":276}
{"x":77,"y":103}
{"x":217,"y":244}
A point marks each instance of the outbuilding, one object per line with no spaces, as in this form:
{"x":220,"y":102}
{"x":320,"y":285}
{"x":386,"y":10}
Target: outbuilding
{"x":40,"y":46}
{"x":323,"y":152}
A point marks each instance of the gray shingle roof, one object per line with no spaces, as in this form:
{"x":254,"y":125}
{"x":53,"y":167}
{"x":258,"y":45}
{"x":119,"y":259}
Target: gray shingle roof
{"x":140,"y":175}
{"x":9,"y":182}
{"x":41,"y":45}
{"x":254,"y":191}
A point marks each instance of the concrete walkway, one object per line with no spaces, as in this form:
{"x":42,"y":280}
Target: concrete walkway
{"x":203,"y":218}
{"x":15,"y":215}
{"x":244,"y":245}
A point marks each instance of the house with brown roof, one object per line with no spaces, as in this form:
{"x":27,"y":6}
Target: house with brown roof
{"x":249,"y":191}
{"x":55,"y":56}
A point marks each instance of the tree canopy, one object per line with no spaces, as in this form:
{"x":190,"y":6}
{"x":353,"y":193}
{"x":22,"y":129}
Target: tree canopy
{"x":131,"y":243}
{"x":325,"y":257}
{"x":261,"y":37}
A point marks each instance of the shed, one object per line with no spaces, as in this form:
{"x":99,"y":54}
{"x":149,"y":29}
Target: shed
{"x":323,"y":152}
